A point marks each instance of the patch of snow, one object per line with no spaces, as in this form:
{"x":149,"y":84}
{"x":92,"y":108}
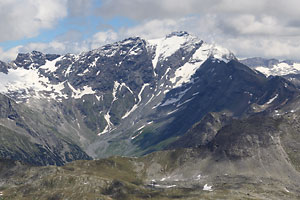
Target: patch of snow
{"x":171,"y":112}
{"x":85,"y":71}
{"x":163,"y":186}
{"x":25,"y":81}
{"x":68,"y":71}
{"x":150,"y":99}
{"x":250,"y":94}
{"x":99,"y":97}
{"x":167,"y":46}
{"x":140,"y":128}
{"x":198,"y":177}
{"x":171,"y":101}
{"x":50,"y":65}
{"x":58,"y":89}
{"x":20,"y":79}
{"x":93,"y":64}
{"x":176,"y":99}
{"x":77,"y":94}
{"x":134,"y":52}
{"x":186,"y":101}
{"x":264,"y":70}
{"x":207,"y":188}
{"x":279,"y":69}
{"x":220,"y":53}
{"x":272,"y":99}
{"x":166,"y":91}
{"x":116,"y":86}
{"x":130,"y":111}
{"x":184,"y":73}
{"x":167,"y":71}
{"x":111,"y":53}
{"x":109,"y":125}
{"x":139,"y":101}
{"x":170,"y":186}
{"x":124,"y":85}
{"x":139,"y":133}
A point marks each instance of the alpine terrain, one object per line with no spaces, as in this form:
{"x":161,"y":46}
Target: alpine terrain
{"x":170,"y":118}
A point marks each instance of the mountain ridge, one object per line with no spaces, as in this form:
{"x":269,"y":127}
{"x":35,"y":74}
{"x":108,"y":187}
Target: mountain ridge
{"x":135,"y":96}
{"x":172,"y":118}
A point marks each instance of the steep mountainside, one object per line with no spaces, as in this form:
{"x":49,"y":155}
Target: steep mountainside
{"x":27,"y":135}
{"x":203,"y":124}
{"x":135,"y":96}
{"x":253,"y":158}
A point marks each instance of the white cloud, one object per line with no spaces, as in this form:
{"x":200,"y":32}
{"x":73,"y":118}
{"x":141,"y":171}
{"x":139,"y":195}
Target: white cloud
{"x":268,"y":28}
{"x":101,"y":38}
{"x":60,"y":46}
{"x":19,"y":19}
{"x":79,"y":7}
{"x":9,"y":54}
{"x":151,"y":29}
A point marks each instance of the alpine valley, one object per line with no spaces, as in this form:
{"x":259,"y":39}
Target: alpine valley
{"x":170,"y":118}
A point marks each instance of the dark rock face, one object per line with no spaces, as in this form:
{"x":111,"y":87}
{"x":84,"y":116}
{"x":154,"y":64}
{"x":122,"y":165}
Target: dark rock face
{"x":244,"y":138}
{"x":3,"y":67}
{"x":202,"y":132}
{"x":35,"y":58}
{"x":222,"y":87}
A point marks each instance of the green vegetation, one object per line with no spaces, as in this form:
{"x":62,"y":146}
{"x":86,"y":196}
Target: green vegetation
{"x":122,"y":178}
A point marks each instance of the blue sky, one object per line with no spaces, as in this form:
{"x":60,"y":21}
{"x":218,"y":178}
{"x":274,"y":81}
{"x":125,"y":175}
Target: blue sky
{"x":267,"y":28}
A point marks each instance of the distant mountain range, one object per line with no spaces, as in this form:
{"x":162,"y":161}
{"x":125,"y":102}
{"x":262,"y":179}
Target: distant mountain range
{"x":288,"y":69}
{"x":191,"y":107}
{"x":136,"y":96}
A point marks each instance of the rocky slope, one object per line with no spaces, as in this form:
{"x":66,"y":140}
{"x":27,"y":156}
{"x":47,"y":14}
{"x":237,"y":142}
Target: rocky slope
{"x":253,"y":158}
{"x":27,"y":135}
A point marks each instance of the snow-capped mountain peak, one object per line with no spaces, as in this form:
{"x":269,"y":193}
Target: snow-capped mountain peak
{"x":134,"y":83}
{"x":174,"y":58}
{"x":165,"y":47}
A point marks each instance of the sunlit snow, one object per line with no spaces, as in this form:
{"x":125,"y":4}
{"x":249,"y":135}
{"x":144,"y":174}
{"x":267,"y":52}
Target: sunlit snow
{"x":280,"y":69}
{"x":50,"y":65}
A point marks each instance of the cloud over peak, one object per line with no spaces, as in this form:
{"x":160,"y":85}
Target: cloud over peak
{"x":266,"y":28}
